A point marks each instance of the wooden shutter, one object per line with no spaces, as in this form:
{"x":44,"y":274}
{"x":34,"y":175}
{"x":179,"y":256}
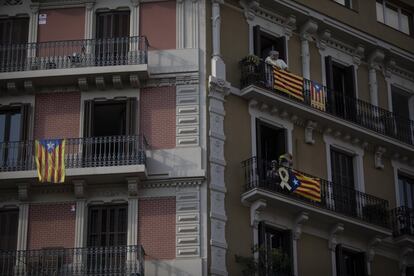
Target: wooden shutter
{"x":256,"y":41}
{"x":350,"y":81}
{"x":131,"y":114}
{"x":88,"y":118}
{"x":330,"y":84}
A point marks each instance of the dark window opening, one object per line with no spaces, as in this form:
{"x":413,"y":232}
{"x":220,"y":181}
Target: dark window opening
{"x":349,"y":262}
{"x":13,"y":129}
{"x":401,"y":126}
{"x":406,"y":190}
{"x":275,"y":251}
{"x":264,"y":43}
{"x":8,"y":230}
{"x":340,"y":82}
{"x":409,"y":271}
{"x":271,"y":141}
{"x":112,"y":30}
{"x":345,"y":3}
{"x":343,"y":182}
{"x":13,"y":31}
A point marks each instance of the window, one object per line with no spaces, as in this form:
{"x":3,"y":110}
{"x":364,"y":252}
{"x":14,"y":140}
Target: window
{"x":346,"y":3}
{"x":13,"y":31}
{"x":340,"y":81}
{"x":264,"y":43}
{"x":394,"y":16}
{"x":275,"y":251}
{"x":110,"y":117}
{"x":406,"y":190}
{"x":400,"y":107}
{"x":349,"y":262}
{"x":271,"y":141}
{"x":111,"y":30}
{"x":343,"y":182}
{"x":107,"y":225}
{"x":13,"y":128}
{"x":8,"y":230}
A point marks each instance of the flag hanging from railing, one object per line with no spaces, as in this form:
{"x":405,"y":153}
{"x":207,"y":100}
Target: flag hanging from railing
{"x":318,"y":96}
{"x":50,"y":160}
{"x":306,"y":186}
{"x":288,"y":83}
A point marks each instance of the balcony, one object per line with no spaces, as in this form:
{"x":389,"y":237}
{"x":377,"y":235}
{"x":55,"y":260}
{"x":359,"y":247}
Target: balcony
{"x":341,"y":203}
{"x":402,"y":219}
{"x":105,"y":261}
{"x":257,"y":82}
{"x":83,"y":156}
{"x":73,"y":57}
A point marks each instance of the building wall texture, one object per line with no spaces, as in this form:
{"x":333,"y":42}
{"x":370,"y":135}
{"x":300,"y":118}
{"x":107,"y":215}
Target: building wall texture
{"x":158,"y":120}
{"x":51,"y":225}
{"x":57,"y":115}
{"x":156,"y":227}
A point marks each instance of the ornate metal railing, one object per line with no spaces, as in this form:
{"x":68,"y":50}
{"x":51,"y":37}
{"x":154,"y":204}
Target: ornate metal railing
{"x":261,"y":174}
{"x":79,"y":152}
{"x":402,"y":219}
{"x":73,"y":54}
{"x":348,"y":108}
{"x":102,"y":261}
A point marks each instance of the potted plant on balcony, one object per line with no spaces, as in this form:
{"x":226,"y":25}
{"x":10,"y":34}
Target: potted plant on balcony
{"x":250,"y":70}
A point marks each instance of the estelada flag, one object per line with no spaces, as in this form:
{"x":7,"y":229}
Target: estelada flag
{"x":288,"y":83}
{"x":318,"y":96}
{"x":306,"y":186}
{"x":50,"y":160}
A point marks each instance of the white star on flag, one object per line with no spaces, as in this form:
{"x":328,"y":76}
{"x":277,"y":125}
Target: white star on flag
{"x":50,"y":146}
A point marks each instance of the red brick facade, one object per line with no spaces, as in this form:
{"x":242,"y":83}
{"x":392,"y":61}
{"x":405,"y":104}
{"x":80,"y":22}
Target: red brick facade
{"x":57,"y":115}
{"x":156,"y":227}
{"x":51,"y":225}
{"x":158,"y":116}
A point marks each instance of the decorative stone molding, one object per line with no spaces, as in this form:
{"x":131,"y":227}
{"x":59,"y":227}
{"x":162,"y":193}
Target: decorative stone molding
{"x":310,"y":126}
{"x":308,"y":29}
{"x":83,"y":84}
{"x":11,"y":87}
{"x":79,"y":188}
{"x":289,"y":25}
{"x":133,"y":184}
{"x":134,"y":81}
{"x":334,"y":236}
{"x":405,"y":254}
{"x":117,"y":81}
{"x":28,"y":86}
{"x":100,"y":82}
{"x":188,"y":223}
{"x":379,"y":162}
{"x":23,"y":191}
{"x":255,"y":209}
{"x":154,"y":184}
{"x":372,"y":245}
{"x":23,"y":223}
{"x":300,"y":219}
{"x":187,"y":115}
{"x":248,"y":8}
{"x":359,"y":54}
{"x":306,"y":32}
{"x":89,"y":18}
{"x":323,"y":37}
{"x":80,"y":220}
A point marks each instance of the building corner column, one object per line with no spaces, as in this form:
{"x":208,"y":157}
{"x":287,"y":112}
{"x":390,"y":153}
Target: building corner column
{"x":218,"y":89}
{"x":218,"y":68}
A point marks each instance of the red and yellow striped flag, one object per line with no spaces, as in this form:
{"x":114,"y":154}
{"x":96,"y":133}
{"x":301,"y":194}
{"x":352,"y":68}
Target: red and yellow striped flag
{"x":288,"y":83}
{"x":306,"y":186}
{"x":50,"y":160}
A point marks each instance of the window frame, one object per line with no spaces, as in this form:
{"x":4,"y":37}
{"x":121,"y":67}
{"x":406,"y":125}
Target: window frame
{"x":347,"y":3}
{"x":388,"y":5}
{"x":359,"y":255}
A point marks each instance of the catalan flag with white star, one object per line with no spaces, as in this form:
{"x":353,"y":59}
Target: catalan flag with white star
{"x":318,"y":96}
{"x":50,"y":160}
{"x":306,"y":186}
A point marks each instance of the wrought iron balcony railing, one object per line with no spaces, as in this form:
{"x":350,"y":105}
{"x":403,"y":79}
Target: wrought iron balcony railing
{"x":102,"y":151}
{"x":348,"y":108}
{"x":334,"y":197}
{"x":73,"y":54}
{"x":402,"y":219}
{"x":102,"y":261}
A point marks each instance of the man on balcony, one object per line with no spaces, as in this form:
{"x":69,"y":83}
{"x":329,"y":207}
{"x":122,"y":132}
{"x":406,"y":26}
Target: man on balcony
{"x":274,"y":60}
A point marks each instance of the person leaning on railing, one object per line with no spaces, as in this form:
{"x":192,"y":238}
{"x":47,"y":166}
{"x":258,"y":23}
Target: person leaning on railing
{"x":271,"y":61}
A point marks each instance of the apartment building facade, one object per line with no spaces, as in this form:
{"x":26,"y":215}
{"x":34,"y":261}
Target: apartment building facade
{"x":356,"y":140}
{"x":120,"y":82}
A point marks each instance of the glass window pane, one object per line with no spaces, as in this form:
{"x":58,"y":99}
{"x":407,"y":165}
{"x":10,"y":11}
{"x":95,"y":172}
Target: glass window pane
{"x":409,"y":202}
{"x":380,"y":12}
{"x":405,"y":23}
{"x":391,"y":16}
{"x":401,"y":191}
{"x":15,"y":127}
{"x":342,"y":2}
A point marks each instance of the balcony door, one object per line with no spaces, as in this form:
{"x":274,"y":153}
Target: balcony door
{"x":112,"y":32}
{"x":401,"y":110}
{"x":8,"y":241}
{"x":344,"y":194}
{"x":340,"y":81}
{"x":13,"y":43}
{"x":13,"y":130}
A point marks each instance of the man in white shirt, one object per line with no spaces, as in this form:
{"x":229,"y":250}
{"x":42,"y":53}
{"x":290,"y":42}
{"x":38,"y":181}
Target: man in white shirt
{"x":274,"y":60}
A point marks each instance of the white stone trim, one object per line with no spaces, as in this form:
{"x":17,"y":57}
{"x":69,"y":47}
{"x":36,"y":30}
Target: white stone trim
{"x":80,"y":223}
{"x":22,"y":226}
{"x":355,"y":151}
{"x":187,"y":115}
{"x":394,"y":80}
{"x":276,"y":121}
{"x":404,"y":168}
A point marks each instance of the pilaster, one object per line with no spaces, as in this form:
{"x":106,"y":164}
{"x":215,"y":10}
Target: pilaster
{"x":306,"y":31}
{"x":134,"y":24}
{"x":218,"y":89}
{"x":374,"y":61}
{"x":89,"y":12}
{"x":132,"y":235}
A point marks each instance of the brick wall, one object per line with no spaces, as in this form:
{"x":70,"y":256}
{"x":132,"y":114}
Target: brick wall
{"x":158,"y":116}
{"x":51,"y":225}
{"x":57,"y":115}
{"x":156,"y":227}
